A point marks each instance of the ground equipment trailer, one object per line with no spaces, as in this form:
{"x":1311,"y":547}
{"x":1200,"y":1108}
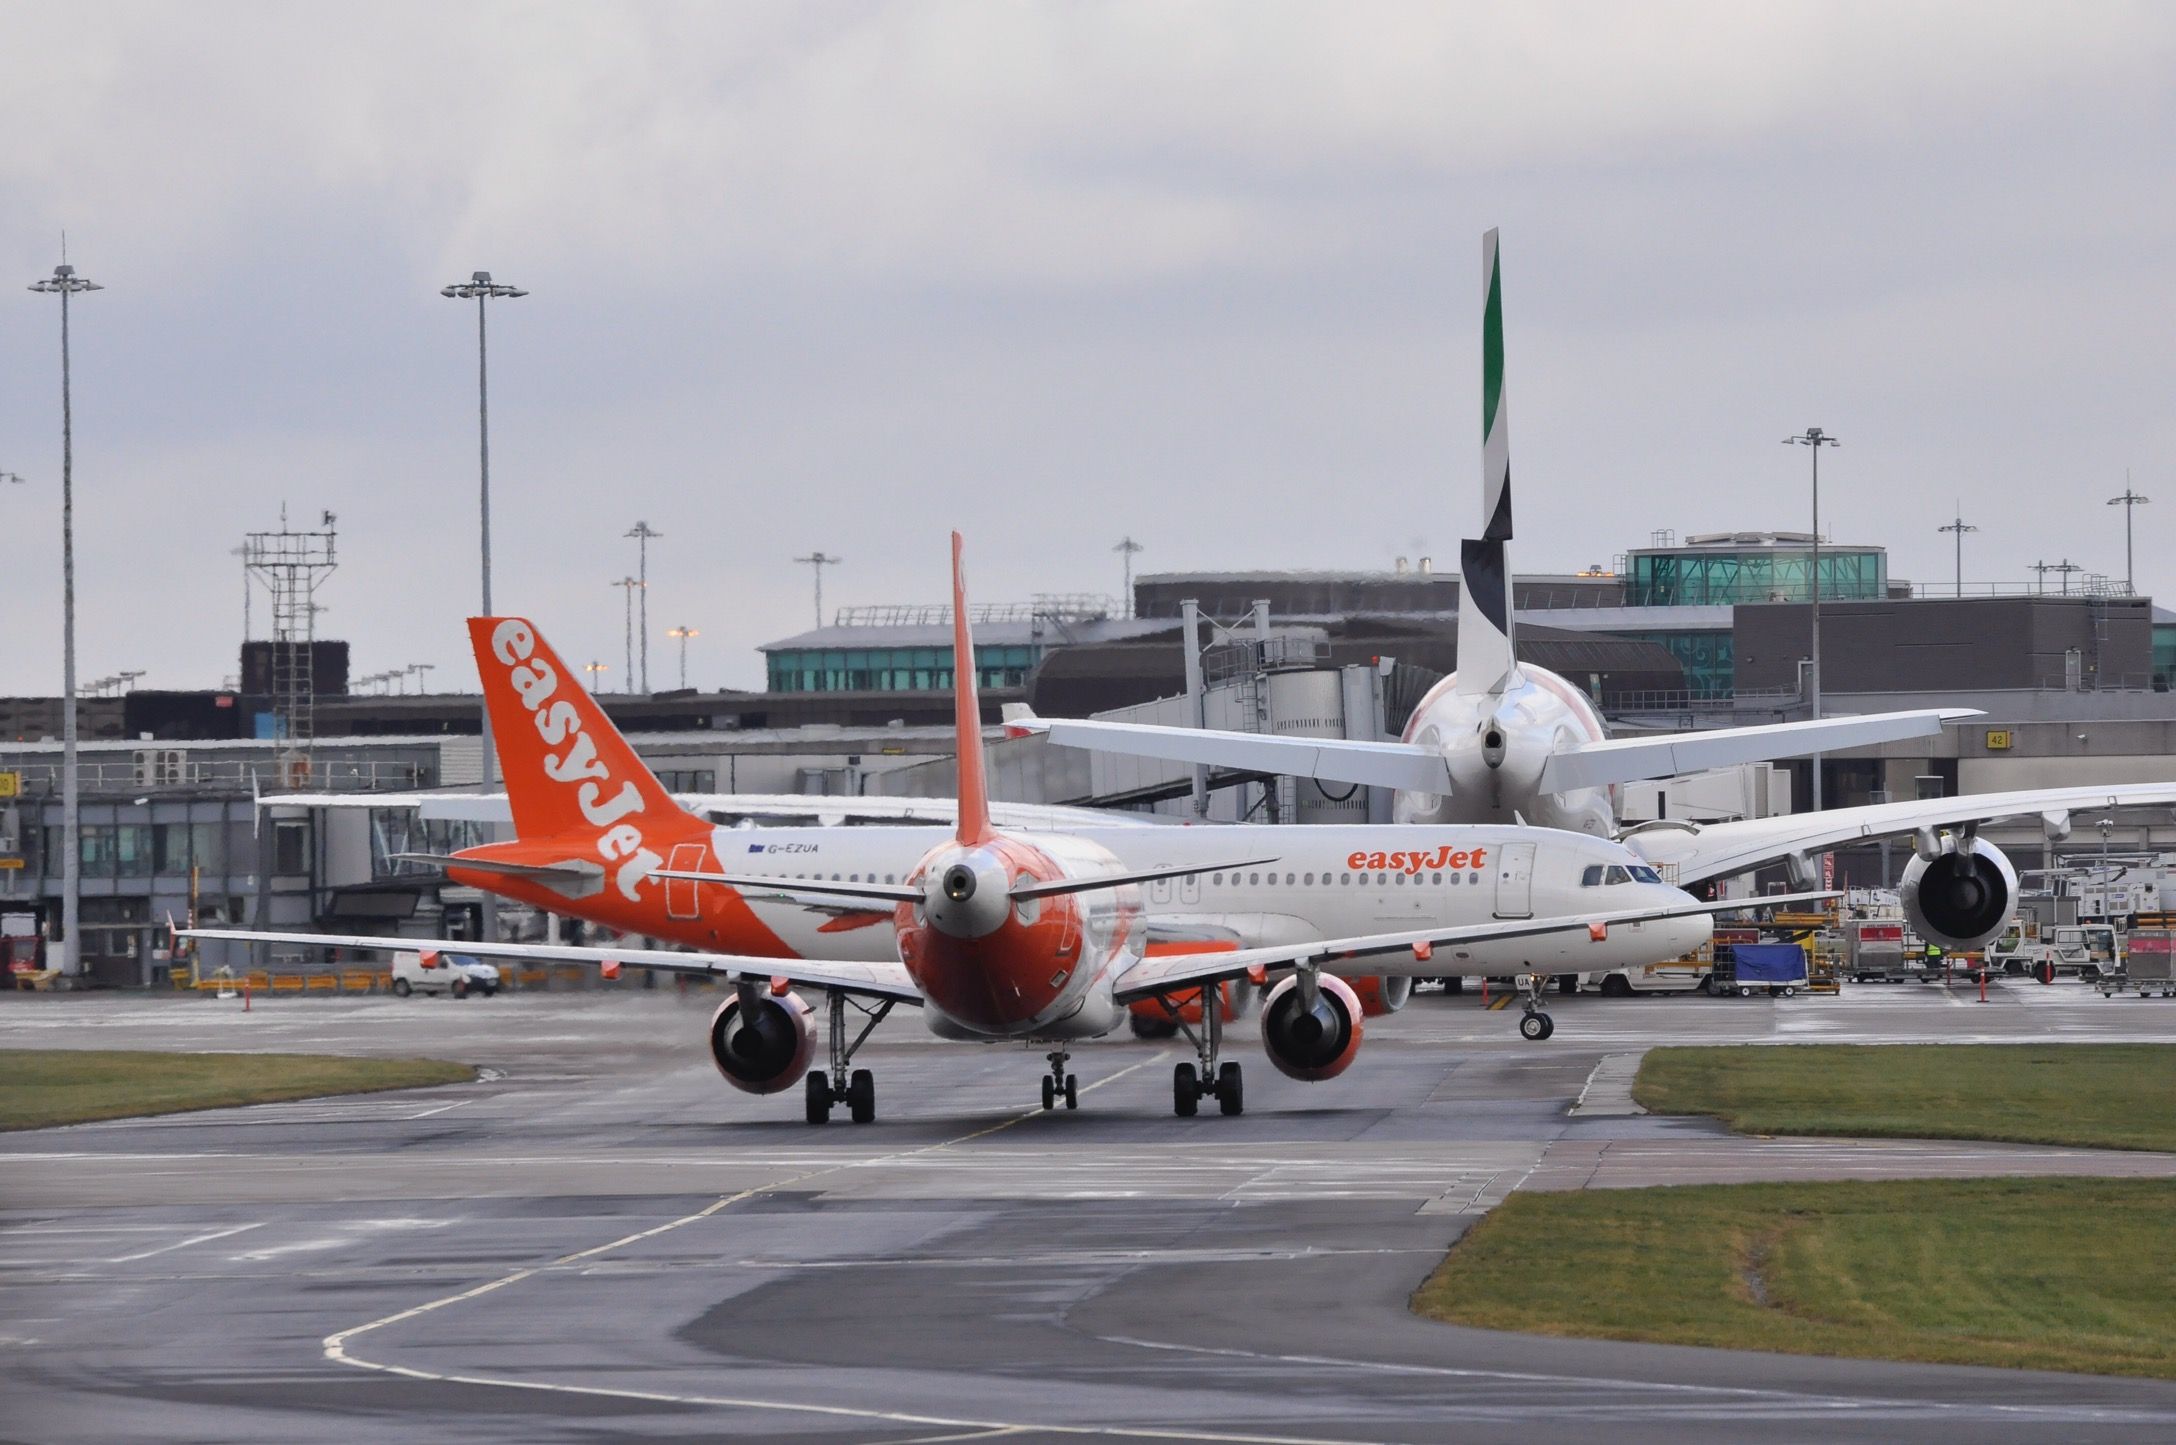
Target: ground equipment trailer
{"x":1874,"y":950}
{"x":1776,"y":969}
{"x":2149,"y":966}
{"x":2089,"y":950}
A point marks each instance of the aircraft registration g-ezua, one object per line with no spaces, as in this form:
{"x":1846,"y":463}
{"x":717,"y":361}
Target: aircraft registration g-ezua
{"x":1016,"y":934}
{"x":1503,"y":740}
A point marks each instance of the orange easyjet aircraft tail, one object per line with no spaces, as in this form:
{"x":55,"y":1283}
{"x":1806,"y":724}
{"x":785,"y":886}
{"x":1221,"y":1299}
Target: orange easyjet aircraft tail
{"x":974,"y":822}
{"x":567,"y":768}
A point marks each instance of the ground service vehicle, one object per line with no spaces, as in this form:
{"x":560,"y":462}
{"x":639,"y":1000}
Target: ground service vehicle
{"x":429,"y":971}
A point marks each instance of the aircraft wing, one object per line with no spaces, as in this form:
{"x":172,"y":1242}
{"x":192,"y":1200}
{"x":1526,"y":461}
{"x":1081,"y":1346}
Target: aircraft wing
{"x":1624,"y":760}
{"x":1393,"y":954}
{"x":1341,"y":760}
{"x":1720,"y":850}
{"x":481,"y":806}
{"x":873,"y":980}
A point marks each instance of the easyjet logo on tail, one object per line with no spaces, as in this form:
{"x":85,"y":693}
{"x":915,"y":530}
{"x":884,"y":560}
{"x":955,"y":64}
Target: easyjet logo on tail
{"x":1425,"y":861}
{"x":605,"y":803}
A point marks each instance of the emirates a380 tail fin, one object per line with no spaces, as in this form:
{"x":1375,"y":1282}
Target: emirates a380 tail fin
{"x":567,"y":768}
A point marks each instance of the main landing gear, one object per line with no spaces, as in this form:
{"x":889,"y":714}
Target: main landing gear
{"x":828,"y":1087}
{"x":1536,"y":1025}
{"x":1191,"y":1084}
{"x":1058,"y":1084}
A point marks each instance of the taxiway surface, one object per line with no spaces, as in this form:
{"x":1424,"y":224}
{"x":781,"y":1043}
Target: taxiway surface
{"x":598,"y":1239}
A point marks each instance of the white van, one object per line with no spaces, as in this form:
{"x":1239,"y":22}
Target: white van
{"x":1678,"y":975}
{"x":454,"y":973}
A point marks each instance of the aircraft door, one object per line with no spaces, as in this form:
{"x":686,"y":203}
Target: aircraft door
{"x":1515,"y":881}
{"x":680,"y":896}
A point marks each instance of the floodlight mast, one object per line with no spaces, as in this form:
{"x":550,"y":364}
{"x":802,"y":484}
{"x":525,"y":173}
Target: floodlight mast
{"x":481,"y":289}
{"x":64,"y":283}
{"x":1815,"y":438}
{"x":683,"y":634}
{"x":1959,"y":526}
{"x":2130,"y":502}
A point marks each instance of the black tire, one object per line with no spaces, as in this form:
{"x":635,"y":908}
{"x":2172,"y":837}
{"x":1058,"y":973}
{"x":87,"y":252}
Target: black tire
{"x":1567,"y":983}
{"x":1072,"y":1092}
{"x":861,"y":1095}
{"x":1185,"y":1091}
{"x":1230,"y":1090}
{"x":1050,"y":1093}
{"x":401,"y":988}
{"x":817,"y":1091}
{"x":1616,"y":985}
{"x":1534,"y":1026}
{"x":1548,"y":1026}
{"x":1745,"y":991}
{"x":460,"y":988}
{"x":1454,"y":985}
{"x":1146,"y":1027}
{"x":492,"y":991}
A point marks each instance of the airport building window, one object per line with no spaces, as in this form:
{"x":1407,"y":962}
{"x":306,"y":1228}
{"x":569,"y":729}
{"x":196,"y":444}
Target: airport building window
{"x":1671,"y":578}
{"x":291,"y":846}
{"x":893,"y":669}
{"x":132,"y":849}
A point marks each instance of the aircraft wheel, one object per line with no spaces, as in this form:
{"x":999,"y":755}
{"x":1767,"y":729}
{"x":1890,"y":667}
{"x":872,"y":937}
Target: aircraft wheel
{"x":861,"y":1095}
{"x":1535,"y":1026}
{"x":1230,"y":1091}
{"x":1050,"y":1093}
{"x":1185,"y":1091}
{"x":401,"y":988}
{"x":1072,"y":1092}
{"x":818,"y":1091}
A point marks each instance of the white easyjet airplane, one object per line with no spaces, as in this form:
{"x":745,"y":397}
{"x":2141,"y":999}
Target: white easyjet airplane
{"x":1500,"y":740}
{"x":1016,"y":934}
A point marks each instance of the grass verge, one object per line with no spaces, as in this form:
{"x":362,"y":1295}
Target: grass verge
{"x":43,"y":1087}
{"x":2054,"y":1274}
{"x":2107,"y":1096}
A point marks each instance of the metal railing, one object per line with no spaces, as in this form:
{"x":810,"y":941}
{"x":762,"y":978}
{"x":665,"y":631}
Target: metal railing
{"x":157,"y":770}
{"x":1057,"y":606}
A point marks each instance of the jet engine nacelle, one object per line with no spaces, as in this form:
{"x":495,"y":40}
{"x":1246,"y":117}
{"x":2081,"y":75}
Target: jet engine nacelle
{"x":1959,"y":898}
{"x":766,"y":1049}
{"x":1312,"y":1044}
{"x":1379,"y":996}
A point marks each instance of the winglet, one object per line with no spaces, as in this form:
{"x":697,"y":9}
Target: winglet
{"x":974,"y":825}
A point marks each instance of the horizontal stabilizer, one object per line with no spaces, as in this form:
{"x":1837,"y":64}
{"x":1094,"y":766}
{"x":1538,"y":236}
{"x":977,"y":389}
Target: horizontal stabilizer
{"x":1055,"y":887}
{"x":1337,"y":760}
{"x":1624,"y":760}
{"x":888,"y":892}
{"x":576,"y":877}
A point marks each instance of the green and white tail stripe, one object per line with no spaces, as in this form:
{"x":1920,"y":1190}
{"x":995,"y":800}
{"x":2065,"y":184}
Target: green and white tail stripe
{"x":1486,"y":660}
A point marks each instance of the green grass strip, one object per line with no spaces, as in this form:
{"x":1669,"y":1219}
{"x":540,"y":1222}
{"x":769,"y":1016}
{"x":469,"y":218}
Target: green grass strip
{"x":2105,"y":1096}
{"x":2055,"y":1274}
{"x":43,"y":1087}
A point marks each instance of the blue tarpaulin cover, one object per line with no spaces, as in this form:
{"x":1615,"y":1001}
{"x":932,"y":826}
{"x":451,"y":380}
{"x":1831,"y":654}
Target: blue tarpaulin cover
{"x":1770,"y":962}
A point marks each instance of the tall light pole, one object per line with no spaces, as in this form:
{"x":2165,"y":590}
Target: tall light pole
{"x":481,"y":289}
{"x":64,"y":283}
{"x":1126,"y":548}
{"x":644,"y":534}
{"x":818,"y":561}
{"x":628,"y":586}
{"x":2130,"y":501}
{"x":683,"y":633}
{"x":1959,"y":526}
{"x":1815,"y":438}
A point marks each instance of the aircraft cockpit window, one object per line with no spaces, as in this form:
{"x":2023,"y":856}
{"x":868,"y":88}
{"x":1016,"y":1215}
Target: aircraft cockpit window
{"x":1643,"y":874}
{"x":1616,"y":873}
{"x":1592,"y":877}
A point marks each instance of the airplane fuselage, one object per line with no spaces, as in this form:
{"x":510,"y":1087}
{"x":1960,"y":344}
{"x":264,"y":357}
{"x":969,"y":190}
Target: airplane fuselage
{"x":1496,"y":745}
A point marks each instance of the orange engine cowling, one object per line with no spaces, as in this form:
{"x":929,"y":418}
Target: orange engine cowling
{"x":1312,"y":1044}
{"x":1379,"y":996}
{"x":769,"y":1050}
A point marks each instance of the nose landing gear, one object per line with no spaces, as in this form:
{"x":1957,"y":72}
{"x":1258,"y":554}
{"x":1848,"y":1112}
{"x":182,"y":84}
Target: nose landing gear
{"x":1058,"y":1084}
{"x":1536,"y":1024}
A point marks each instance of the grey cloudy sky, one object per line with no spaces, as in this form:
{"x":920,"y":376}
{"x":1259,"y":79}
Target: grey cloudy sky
{"x":846,"y":277}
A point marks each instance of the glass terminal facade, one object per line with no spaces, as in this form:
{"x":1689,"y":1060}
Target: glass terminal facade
{"x":1774,"y":572}
{"x":893,"y":669}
